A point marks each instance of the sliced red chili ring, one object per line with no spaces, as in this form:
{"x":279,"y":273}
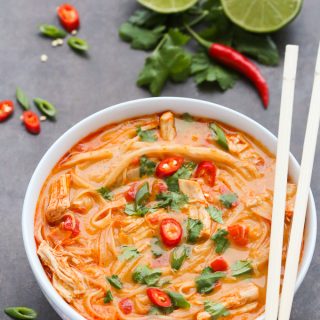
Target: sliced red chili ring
{"x":169,"y":166}
{"x":159,"y":297}
{"x":126,"y":306}
{"x":6,"y":109}
{"x":170,"y":231}
{"x":130,"y":194}
{"x":239,"y":234}
{"x":208,"y":171}
{"x":69,"y":17}
{"x":31,"y":122}
{"x":219,"y":264}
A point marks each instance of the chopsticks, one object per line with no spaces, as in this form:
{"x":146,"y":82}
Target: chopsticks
{"x":280,"y":185}
{"x":300,"y":208}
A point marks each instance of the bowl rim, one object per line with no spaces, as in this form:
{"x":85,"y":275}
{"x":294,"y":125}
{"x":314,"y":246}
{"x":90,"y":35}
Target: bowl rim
{"x":135,"y":108}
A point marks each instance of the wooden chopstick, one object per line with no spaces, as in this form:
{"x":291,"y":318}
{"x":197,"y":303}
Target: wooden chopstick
{"x":280,"y":185}
{"x":300,"y":208}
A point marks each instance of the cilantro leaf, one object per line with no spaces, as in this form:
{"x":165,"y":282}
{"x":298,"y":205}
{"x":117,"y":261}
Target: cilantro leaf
{"x":187,"y":117}
{"x":219,"y":135}
{"x":228,"y":199}
{"x":178,"y":300}
{"x":185,"y":172}
{"x":147,"y":167}
{"x":105,"y":193}
{"x":138,"y":207}
{"x":161,"y":310}
{"x":205,"y":70}
{"x":146,"y":275}
{"x":260,"y":47}
{"x":156,"y":248}
{"x":194,"y":228}
{"x":241,"y":267}
{"x":178,"y":256}
{"x":147,"y":18}
{"x":215,"y":214}
{"x":177,"y":38}
{"x":221,"y":241}
{"x":108,"y":297}
{"x":141,"y":38}
{"x":146,"y":135}
{"x":206,"y":282}
{"x":173,"y":200}
{"x":128,"y":253}
{"x":215,"y":309}
{"x":115,"y":281}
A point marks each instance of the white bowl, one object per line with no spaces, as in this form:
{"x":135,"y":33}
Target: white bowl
{"x":118,"y":113}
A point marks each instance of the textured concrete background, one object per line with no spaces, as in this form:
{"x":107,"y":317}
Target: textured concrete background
{"x":79,"y":86}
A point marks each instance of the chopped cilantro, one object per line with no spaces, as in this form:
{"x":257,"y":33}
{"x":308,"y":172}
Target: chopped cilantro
{"x":228,"y":199}
{"x":241,"y":267}
{"x":215,"y":214}
{"x":105,"y":193}
{"x":108,"y":297}
{"x":194,"y":228}
{"x":219,"y":135}
{"x":147,"y":167}
{"x":128,"y":253}
{"x":115,"y":281}
{"x":206,"y":282}
{"x":221,"y":241}
{"x":146,"y":275}
{"x":216,"y":310}
{"x":185,"y":172}
{"x":146,"y":135}
{"x":172,"y":200}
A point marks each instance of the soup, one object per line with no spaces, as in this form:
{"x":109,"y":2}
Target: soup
{"x":163,"y":216}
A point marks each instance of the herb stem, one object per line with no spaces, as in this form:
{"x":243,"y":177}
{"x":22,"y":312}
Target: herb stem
{"x":199,"y":39}
{"x":161,"y":43}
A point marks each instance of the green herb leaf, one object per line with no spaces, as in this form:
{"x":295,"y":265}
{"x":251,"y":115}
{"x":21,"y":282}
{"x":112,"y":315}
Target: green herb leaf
{"x":228,"y":199}
{"x":128,"y":253}
{"x":205,"y":70}
{"x":22,"y":99}
{"x":177,"y":38}
{"x":206,"y":282}
{"x":178,"y":255}
{"x":21,"y":313}
{"x":241,"y":267}
{"x":219,"y":135}
{"x":215,"y":214}
{"x":185,"y":172}
{"x":140,"y":38}
{"x":51,"y":31}
{"x":142,"y":195}
{"x":187,"y":117}
{"x":45,"y":107}
{"x":147,"y":135}
{"x":115,"y":281}
{"x":221,"y":241}
{"x":108,"y":297}
{"x":132,"y":210}
{"x":146,"y":275}
{"x":77,"y":44}
{"x":156,"y":248}
{"x":178,"y":300}
{"x":147,"y":18}
{"x":216,"y":310}
{"x":173,"y":200}
{"x":147,"y":167}
{"x":105,"y":193}
{"x":260,"y":47}
{"x":194,"y":228}
{"x":160,"y":310}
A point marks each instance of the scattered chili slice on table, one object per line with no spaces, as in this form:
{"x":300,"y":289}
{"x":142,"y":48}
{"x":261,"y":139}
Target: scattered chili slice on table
{"x":207,"y":170}
{"x":169,"y":166}
{"x":171,"y":232}
{"x":126,"y":305}
{"x":6,"y":109}
{"x":239,"y":234}
{"x":31,"y":122}
{"x":159,"y":297}
{"x":69,"y":17}
{"x":236,"y":61}
{"x":219,"y":264}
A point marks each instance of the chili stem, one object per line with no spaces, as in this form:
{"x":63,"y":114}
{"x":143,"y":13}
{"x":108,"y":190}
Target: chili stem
{"x":202,"y":41}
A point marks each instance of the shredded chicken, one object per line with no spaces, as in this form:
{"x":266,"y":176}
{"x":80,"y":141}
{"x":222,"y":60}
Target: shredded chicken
{"x":66,"y":280}
{"x":200,"y":213}
{"x":167,"y":126}
{"x":59,"y":200}
{"x":192,"y":189}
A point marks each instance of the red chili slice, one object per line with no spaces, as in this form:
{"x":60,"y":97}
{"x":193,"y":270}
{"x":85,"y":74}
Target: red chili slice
{"x":207,"y":170}
{"x":69,"y":17}
{"x":239,"y":234}
{"x":126,"y":305}
{"x":169,"y":166}
{"x":72,"y":224}
{"x":31,"y":122}
{"x":6,"y":109}
{"x":130,"y":195}
{"x":159,"y":187}
{"x":219,"y":264}
{"x":159,"y":297}
{"x":170,"y":231}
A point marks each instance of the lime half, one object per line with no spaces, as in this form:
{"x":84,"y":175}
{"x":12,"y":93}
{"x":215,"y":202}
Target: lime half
{"x":168,"y":6}
{"x":262,"y":15}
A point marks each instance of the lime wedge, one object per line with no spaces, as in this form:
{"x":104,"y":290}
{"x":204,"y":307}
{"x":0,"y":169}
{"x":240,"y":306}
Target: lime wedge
{"x":168,"y":6}
{"x":262,"y":15}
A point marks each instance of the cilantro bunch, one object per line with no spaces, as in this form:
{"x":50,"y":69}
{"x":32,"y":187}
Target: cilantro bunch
{"x":173,"y":59}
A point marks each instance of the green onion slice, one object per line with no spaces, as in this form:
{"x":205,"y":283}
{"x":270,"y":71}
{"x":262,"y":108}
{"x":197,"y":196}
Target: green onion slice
{"x":51,"y":31}
{"x":21,"y":313}
{"x":47,"y":108}
{"x":78,"y":44}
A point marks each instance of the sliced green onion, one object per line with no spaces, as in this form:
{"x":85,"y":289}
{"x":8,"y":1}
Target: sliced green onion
{"x":21,"y":313}
{"x":51,"y":31}
{"x":78,"y":44}
{"x":47,"y":108}
{"x":22,"y":99}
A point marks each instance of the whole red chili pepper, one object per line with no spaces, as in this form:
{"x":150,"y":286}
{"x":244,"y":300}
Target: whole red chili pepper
{"x":237,"y":61}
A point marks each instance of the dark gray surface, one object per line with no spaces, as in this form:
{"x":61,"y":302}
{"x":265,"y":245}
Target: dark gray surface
{"x":79,"y":86}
